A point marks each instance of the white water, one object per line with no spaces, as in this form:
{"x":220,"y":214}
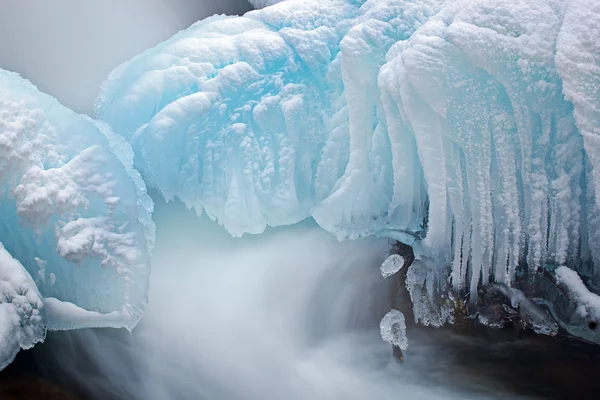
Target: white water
{"x":291,"y":314}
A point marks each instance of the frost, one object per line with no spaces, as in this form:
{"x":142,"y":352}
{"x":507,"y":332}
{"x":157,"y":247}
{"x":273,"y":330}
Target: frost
{"x":393,"y":329}
{"x":391,"y":265}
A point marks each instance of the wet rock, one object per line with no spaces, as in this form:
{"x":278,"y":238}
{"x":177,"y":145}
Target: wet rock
{"x":30,"y":387}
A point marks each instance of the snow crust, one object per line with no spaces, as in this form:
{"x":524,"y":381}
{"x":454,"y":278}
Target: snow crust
{"x":75,"y":214}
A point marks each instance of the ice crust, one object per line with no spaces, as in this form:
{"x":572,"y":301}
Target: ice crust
{"x":467,"y":129}
{"x":75,"y":215}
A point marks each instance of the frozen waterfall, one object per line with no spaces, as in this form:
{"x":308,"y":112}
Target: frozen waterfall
{"x":463,"y":128}
{"x":466,"y":129}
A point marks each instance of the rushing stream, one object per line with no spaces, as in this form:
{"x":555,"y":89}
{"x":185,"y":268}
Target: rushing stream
{"x":291,"y":314}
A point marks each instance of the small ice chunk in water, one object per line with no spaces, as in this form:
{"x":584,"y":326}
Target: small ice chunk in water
{"x":392,"y":265}
{"x":393,"y":329}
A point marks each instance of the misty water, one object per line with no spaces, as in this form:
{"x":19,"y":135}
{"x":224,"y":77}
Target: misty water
{"x":290,"y":314}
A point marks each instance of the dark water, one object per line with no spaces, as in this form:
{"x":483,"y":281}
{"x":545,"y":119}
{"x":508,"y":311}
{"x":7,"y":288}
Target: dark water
{"x":529,"y":367}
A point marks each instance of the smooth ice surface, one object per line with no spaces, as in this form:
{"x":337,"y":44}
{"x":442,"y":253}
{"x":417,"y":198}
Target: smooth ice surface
{"x":22,"y":322}
{"x":391,"y":265}
{"x":468,"y":129}
{"x":74,"y":213}
{"x":393,"y":329}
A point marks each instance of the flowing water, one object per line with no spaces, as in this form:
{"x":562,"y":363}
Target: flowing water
{"x":290,"y":314}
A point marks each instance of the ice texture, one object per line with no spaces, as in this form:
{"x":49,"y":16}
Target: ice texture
{"x":393,"y":329}
{"x":391,"y":265}
{"x":22,"y":321}
{"x":467,"y":129}
{"x":75,"y":214}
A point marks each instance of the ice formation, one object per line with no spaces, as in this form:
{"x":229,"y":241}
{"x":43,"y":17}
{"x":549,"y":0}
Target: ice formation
{"x":393,"y":329}
{"x":75,"y":216}
{"x":467,"y":129}
{"x":391,"y":265}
